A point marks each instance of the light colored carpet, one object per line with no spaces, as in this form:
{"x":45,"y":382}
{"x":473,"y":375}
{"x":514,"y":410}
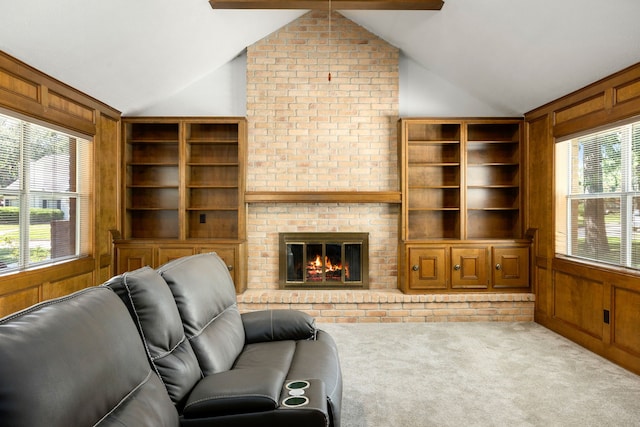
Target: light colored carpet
{"x":477,"y":374}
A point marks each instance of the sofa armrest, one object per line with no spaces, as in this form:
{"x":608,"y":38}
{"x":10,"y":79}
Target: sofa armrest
{"x":277,"y":325}
{"x":236,"y":391}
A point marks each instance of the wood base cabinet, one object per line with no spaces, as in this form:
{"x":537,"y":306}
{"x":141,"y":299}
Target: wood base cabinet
{"x":462,"y":205}
{"x":465,"y":267}
{"x":131,"y":255}
{"x":510,"y":267}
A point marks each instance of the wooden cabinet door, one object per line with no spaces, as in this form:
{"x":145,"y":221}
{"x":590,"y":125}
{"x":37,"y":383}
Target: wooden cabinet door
{"x":132,"y":258}
{"x":228,"y":253}
{"x":510,"y":267}
{"x":166,"y":254}
{"x":469,"y":268}
{"x":427,"y":268}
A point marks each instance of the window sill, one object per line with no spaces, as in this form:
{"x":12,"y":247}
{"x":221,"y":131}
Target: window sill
{"x":592,"y":270}
{"x":17,"y":280}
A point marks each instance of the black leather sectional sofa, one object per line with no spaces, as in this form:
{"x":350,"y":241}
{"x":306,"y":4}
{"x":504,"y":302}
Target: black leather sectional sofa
{"x":166,"y":347}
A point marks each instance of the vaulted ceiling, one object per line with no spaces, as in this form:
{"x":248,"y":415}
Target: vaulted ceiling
{"x":512,"y":54}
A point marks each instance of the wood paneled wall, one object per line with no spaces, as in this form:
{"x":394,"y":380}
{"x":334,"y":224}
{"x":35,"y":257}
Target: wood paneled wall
{"x":29,"y":92}
{"x":573,"y":298}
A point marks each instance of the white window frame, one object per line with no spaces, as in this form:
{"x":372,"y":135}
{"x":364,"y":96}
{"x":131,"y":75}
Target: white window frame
{"x":82,"y":195}
{"x":565,"y":230}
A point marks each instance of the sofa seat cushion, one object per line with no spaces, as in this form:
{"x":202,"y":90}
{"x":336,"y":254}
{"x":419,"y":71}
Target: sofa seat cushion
{"x":301,"y":360}
{"x":235,"y":392}
{"x":206,"y":298}
{"x":272,"y":354}
{"x":78,"y":361}
{"x":151,"y":305}
{"x":147,"y":405}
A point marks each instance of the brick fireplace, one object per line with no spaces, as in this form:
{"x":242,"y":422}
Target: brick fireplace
{"x":308,"y":134}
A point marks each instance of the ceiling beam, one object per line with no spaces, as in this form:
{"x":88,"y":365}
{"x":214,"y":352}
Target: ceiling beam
{"x":324,"y":4}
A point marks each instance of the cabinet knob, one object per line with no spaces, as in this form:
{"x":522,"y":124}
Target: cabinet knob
{"x":415,"y":268}
{"x":456,"y":267}
{"x":229,"y":267}
{"x":498,"y":267}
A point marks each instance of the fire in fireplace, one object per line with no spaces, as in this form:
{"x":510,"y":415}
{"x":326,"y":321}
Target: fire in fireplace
{"x":324,"y":260}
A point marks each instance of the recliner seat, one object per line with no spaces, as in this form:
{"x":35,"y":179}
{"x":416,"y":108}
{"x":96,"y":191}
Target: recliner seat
{"x":78,"y":361}
{"x":176,"y":353}
{"x":221,"y":367}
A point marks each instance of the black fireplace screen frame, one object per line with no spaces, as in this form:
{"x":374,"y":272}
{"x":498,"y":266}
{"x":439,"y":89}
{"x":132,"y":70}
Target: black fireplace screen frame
{"x":295,"y":250}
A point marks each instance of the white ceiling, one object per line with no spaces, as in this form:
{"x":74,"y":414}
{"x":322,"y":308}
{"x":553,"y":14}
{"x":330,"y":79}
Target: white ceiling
{"x":515,"y":55}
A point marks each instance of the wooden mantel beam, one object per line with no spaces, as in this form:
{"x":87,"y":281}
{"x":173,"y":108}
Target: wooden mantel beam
{"x":324,"y":4}
{"x":323,"y":197}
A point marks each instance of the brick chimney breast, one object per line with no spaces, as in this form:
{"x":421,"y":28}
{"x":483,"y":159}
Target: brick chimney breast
{"x":307,"y":133}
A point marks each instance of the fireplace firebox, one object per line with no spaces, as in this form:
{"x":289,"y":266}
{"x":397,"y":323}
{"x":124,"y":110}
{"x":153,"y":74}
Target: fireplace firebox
{"x":324,"y":260}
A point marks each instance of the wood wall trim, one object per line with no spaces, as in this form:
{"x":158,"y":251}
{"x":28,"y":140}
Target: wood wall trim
{"x":28,"y":91}
{"x":594,"y":271}
{"x":593,"y":304}
{"x":19,"y":280}
{"x":323,"y":197}
{"x":611,"y":99}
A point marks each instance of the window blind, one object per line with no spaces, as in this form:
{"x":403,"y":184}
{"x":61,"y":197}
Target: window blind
{"x":44,"y":194}
{"x":597,"y":199}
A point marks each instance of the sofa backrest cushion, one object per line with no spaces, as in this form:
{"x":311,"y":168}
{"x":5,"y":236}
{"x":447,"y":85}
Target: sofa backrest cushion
{"x":78,"y":361}
{"x":204,"y":292}
{"x":153,"y":309}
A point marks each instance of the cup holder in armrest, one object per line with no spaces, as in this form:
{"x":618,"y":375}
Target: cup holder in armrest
{"x":297,"y":388}
{"x":295,"y":401}
{"x":306,"y":394}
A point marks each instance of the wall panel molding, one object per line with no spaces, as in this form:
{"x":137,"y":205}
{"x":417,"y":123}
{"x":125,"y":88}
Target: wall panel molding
{"x":592,"y":304}
{"x":33,"y":94}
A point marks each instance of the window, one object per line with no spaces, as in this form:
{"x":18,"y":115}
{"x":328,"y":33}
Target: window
{"x":44,"y":195}
{"x":598,"y":196}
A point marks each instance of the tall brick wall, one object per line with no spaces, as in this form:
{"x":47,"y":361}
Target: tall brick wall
{"x":309,"y":134}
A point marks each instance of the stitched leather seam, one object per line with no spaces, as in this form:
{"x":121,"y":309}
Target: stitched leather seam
{"x":224,"y":396}
{"x":144,"y":338}
{"x":271,"y":318}
{"x":206,"y":325}
{"x":171,"y":350}
{"x":48,"y":303}
{"x":338,"y":371}
{"x":125,"y":398}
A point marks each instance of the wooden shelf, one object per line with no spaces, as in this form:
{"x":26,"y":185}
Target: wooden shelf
{"x":462,"y":206}
{"x":432,"y":209}
{"x":413,"y":142}
{"x":433,"y":164}
{"x":323,"y":197}
{"x":153,"y":141}
{"x":183,"y":191}
{"x":184,"y":177}
{"x":222,"y":141}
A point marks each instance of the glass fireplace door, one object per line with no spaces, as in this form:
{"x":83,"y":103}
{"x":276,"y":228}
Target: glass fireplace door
{"x":323,"y":260}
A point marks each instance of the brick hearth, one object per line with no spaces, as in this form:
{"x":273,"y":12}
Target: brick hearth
{"x":394,"y":306}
